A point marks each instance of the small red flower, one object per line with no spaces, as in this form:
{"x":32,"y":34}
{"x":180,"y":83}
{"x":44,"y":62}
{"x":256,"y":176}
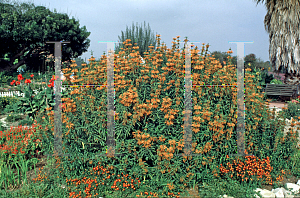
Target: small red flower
{"x":31,"y":75}
{"x":27,"y":81}
{"x":20,"y":77}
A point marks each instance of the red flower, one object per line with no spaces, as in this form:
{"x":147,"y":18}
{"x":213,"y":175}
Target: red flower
{"x":20,"y":77}
{"x":31,"y":75}
{"x":13,"y":82}
{"x":27,"y":81}
{"x":51,"y":85}
{"x":17,"y":83}
{"x":22,"y":151}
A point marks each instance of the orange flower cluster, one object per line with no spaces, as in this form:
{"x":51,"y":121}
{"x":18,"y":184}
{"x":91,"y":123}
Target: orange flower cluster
{"x":41,"y":176}
{"x":19,"y":140}
{"x":171,"y":112}
{"x":251,"y":167}
{"x":101,"y":171}
{"x":156,"y":194}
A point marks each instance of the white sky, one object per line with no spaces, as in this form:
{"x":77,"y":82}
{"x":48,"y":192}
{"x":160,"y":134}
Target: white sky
{"x":216,"y":22}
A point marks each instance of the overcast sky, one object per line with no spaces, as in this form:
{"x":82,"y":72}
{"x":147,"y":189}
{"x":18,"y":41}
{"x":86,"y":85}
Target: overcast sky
{"x":216,"y":22}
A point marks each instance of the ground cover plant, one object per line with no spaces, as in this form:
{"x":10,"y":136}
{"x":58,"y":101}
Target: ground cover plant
{"x":149,"y":133}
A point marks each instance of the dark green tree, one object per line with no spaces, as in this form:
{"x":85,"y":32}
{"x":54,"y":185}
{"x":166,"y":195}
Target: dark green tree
{"x":223,"y":56}
{"x":250,"y":59}
{"x":23,"y":34}
{"x":143,"y":38}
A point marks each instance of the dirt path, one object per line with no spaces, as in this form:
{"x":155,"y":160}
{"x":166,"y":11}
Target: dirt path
{"x":278,"y":104}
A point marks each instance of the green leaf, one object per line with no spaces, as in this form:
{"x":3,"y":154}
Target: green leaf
{"x":39,"y":96}
{"x":49,"y":96}
{"x":42,"y":101}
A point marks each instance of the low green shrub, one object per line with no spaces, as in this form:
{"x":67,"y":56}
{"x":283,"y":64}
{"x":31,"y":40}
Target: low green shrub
{"x":6,"y":101}
{"x":149,"y":136}
{"x":27,"y":122}
{"x":13,"y":118}
{"x":6,"y":77}
{"x":33,"y":100}
{"x":264,"y":78}
{"x":276,"y":81}
{"x":293,"y":109}
{"x":1,"y":126}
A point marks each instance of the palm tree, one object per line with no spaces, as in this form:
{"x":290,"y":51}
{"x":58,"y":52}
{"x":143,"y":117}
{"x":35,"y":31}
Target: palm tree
{"x":282,"y":24}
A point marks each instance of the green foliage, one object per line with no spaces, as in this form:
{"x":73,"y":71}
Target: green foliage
{"x":7,"y":77}
{"x":14,"y":107}
{"x":141,"y":37}
{"x":79,"y":61}
{"x":293,"y":110}
{"x":6,"y":101}
{"x":266,"y":78}
{"x":36,"y":25}
{"x":223,"y":56}
{"x":13,"y":118}
{"x":33,"y":103}
{"x":276,"y":81}
{"x":1,"y":127}
{"x":220,"y":56}
{"x":249,"y":61}
{"x":160,"y":163}
{"x":85,"y":133}
{"x":27,"y":122}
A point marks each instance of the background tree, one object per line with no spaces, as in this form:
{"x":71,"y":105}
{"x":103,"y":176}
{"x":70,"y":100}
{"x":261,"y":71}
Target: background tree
{"x":23,"y":35}
{"x":143,"y":38}
{"x":282,"y":24}
{"x":260,"y":64}
{"x":250,"y":58}
{"x":9,"y":9}
{"x":79,"y":61}
{"x":222,"y":56}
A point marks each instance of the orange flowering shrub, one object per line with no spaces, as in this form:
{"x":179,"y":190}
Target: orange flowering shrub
{"x":149,"y":122}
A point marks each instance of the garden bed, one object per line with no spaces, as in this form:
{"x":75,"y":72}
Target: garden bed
{"x":7,"y":125}
{"x":6,"y":88}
